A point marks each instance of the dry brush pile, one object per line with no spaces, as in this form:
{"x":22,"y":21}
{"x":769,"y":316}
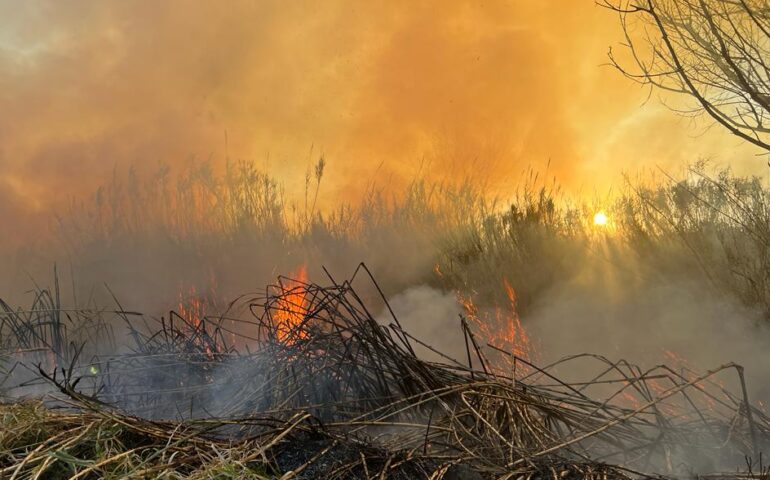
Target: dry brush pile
{"x":303,"y":381}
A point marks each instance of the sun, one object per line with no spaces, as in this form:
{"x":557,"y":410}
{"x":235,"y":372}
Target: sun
{"x":600,"y":219}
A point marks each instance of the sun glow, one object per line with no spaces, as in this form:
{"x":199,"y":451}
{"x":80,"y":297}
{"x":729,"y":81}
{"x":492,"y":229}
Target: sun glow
{"x":600,"y":219}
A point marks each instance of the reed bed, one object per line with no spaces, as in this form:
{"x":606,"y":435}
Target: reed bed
{"x":308,"y":381}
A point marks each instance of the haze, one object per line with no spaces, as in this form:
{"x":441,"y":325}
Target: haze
{"x":90,"y":88}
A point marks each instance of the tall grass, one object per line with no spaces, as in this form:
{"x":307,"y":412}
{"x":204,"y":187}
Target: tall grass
{"x":235,"y":229}
{"x":713,"y":224}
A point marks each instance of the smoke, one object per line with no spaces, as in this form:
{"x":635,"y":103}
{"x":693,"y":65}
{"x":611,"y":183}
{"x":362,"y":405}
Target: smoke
{"x":387,"y":92}
{"x":622,"y":312}
{"x":432,"y":317}
{"x":613,"y":312}
{"x":90,"y":88}
{"x":678,"y":322}
{"x":621,"y":307}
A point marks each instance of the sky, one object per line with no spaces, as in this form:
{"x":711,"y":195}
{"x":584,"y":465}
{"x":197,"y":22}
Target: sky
{"x":384,"y":90}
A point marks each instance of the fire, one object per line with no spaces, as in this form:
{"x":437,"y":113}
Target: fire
{"x":194,"y":306}
{"x":677,"y":361}
{"x":437,"y":270}
{"x":502,"y":329}
{"x":516,"y":333}
{"x":658,"y":382}
{"x":290,"y":308}
{"x":191,"y":306}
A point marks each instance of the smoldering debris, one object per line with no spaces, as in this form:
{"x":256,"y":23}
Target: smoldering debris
{"x":314,"y":382}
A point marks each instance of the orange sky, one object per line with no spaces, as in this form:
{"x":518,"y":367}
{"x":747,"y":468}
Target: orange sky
{"x":88,"y":87}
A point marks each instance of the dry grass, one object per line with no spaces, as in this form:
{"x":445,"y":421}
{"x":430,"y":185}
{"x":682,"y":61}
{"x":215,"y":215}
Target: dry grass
{"x":199,"y":225}
{"x":228,"y":396}
{"x":340,"y":395}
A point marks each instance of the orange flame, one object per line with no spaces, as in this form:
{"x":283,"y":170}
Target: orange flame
{"x":291,"y":310}
{"x":676,"y":360}
{"x":515,"y":334}
{"x":191,"y":307}
{"x":437,"y":271}
{"x":503,"y":329}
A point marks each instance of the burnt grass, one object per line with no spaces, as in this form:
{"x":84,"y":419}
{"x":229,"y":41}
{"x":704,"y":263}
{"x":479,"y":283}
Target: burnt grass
{"x":337,"y":395}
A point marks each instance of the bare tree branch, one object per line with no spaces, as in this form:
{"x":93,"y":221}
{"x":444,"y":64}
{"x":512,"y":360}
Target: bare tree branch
{"x":716,"y":52}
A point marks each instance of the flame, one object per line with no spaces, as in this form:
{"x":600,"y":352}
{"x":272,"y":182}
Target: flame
{"x":515,"y":334}
{"x":503,"y":329}
{"x":191,"y":306}
{"x":658,"y":382}
{"x":290,"y":309}
{"x":437,"y":271}
{"x":676,"y":360}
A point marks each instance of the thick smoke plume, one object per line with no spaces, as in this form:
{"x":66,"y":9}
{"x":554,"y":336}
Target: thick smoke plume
{"x":467,"y":89}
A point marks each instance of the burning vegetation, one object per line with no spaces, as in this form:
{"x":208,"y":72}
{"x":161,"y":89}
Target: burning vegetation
{"x":317,"y":377}
{"x":323,"y":388}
